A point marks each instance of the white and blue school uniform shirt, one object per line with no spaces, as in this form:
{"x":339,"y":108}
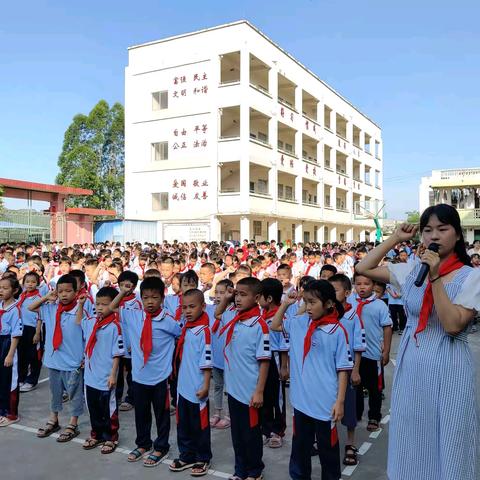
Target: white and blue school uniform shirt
{"x":10,"y":320}
{"x":196,"y":357}
{"x":312,"y":270}
{"x":250,"y":344}
{"x":69,"y":356}
{"x":43,"y":288}
{"x":109,"y":345}
{"x":164,"y":332}
{"x":356,"y":333}
{"x":375,"y":316}
{"x":314,"y":382}
{"x":131,"y":304}
{"x":218,"y":341}
{"x":172,"y":304}
{"x":391,"y":299}
{"x":29,"y":319}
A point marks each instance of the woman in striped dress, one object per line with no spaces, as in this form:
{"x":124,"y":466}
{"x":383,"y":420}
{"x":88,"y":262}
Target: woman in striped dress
{"x":434,"y":432}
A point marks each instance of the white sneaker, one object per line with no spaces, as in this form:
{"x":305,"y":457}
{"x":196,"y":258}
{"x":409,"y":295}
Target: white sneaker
{"x":27,"y":387}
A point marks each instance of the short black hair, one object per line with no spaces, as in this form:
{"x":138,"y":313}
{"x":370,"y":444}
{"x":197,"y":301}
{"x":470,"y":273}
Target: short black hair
{"x":68,"y":279}
{"x":271,"y":287}
{"x":78,"y":274}
{"x":107,"y":292}
{"x":195,"y":292}
{"x":128,"y":276}
{"x":225,"y":282}
{"x":343,"y":280}
{"x":252,"y":284}
{"x":153,"y":283}
{"x":189,"y":276}
{"x":328,"y":268}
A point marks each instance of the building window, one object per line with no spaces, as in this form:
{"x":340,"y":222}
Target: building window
{"x":288,"y":192}
{"x":377,"y":178}
{"x":159,"y":151}
{"x":293,"y":231}
{"x":257,"y":228}
{"x":159,"y":201}
{"x":160,"y":100}
{"x":288,"y":148}
{"x":306,"y":237}
{"x":263,"y":186}
{"x":280,"y":190}
{"x":262,"y":137}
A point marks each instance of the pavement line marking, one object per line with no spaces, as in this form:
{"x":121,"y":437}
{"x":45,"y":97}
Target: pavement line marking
{"x":44,"y":380}
{"x":385,"y":419}
{"x":376,"y":434}
{"x":364,"y":447}
{"x":394,"y":362}
{"x":348,"y":471}
{"x":124,"y":451}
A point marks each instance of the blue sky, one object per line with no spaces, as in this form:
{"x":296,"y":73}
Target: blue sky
{"x":413,"y":67}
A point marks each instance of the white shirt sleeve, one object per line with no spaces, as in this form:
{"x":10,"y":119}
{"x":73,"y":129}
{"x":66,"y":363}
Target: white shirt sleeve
{"x":469,"y":295}
{"x":399,"y":273}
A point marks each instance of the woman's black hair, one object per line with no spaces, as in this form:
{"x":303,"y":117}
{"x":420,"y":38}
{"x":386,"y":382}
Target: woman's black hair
{"x":14,"y":285}
{"x":449,"y":216}
{"x":324,"y":291}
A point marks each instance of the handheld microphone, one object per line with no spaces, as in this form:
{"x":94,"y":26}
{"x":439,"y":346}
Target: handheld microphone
{"x":425,"y":268}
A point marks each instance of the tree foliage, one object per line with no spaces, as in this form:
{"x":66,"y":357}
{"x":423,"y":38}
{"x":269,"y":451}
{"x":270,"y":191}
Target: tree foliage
{"x":413,"y":216}
{"x":2,"y":210}
{"x":93,"y":156}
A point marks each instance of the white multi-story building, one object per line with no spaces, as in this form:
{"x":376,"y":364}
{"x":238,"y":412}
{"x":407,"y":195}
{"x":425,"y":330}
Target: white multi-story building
{"x":227,"y":136}
{"x":459,"y":187}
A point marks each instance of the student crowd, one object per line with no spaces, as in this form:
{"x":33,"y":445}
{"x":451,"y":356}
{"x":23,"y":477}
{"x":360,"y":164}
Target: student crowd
{"x":149,"y":326}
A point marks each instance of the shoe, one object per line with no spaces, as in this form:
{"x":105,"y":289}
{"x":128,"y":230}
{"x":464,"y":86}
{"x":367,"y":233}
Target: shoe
{"x":223,"y":423}
{"x":400,"y":332}
{"x":275,"y":441}
{"x":65,"y":397}
{"x":27,"y":387}
{"x":173,"y":410}
{"x":125,"y":407}
{"x":21,"y":384}
{"x":5,"y":421}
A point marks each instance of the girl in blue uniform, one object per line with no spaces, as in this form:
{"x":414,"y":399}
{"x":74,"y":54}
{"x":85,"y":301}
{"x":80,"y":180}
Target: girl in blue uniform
{"x":434,"y":424}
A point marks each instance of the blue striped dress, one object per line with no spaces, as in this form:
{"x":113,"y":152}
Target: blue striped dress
{"x":434,"y":432}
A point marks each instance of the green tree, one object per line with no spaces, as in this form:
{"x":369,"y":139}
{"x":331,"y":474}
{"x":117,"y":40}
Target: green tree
{"x":93,"y":156}
{"x":413,"y":216}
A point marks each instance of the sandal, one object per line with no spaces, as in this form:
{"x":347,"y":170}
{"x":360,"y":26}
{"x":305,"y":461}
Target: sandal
{"x":108,"y":447}
{"x":91,"y":443}
{"x":70,"y":432}
{"x":223,"y":423}
{"x":234,"y":477}
{"x":125,"y":407}
{"x":136,"y":455}
{"x":214,"y":421}
{"x":50,"y":427}
{"x":5,"y":421}
{"x":372,"y":426}
{"x":154,"y":459}
{"x":200,"y":469}
{"x":255,"y":478}
{"x":350,"y":458}
{"x":178,"y":466}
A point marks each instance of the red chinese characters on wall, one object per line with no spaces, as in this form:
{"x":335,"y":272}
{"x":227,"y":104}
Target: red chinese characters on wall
{"x":191,"y":140}
{"x":182,"y":189}
{"x":181,"y":85}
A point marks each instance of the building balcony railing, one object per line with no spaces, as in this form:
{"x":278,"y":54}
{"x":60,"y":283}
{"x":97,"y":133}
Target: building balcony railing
{"x":230,"y":191}
{"x":286,"y":152}
{"x":261,"y":89}
{"x":470,"y":216}
{"x":229,"y":83}
{"x":309,"y":159}
{"x":287,"y":199}
{"x":342,"y":209}
{"x":286,"y":103}
{"x":227,"y":138}
{"x":260,"y":141}
{"x":310,"y":204}
{"x":342,"y":172}
{"x":257,"y":193}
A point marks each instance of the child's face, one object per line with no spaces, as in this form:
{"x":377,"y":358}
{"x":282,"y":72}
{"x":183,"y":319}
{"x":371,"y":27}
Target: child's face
{"x":188,"y":284}
{"x":64,"y":268}
{"x":6,"y":291}
{"x":30,"y":283}
{"x":318,"y":259}
{"x":326,"y":274}
{"x":192,"y":308}
{"x":102,"y":306}
{"x":66,"y":293}
{"x":311,"y":259}
{"x":176,"y":285}
{"x":90,"y":270}
{"x":113,"y":275}
{"x":206,"y":276}
{"x":340,"y":292}
{"x":166,"y":269}
{"x":245,"y":298}
{"x":379,"y":291}
{"x":220,"y":292}
{"x":152,"y":300}
{"x":127,"y":284}
{"x":176,"y":268}
{"x":228,"y":261}
{"x":284,"y":276}
{"x":315,"y":308}
{"x":108,"y":261}
{"x":363,"y":286}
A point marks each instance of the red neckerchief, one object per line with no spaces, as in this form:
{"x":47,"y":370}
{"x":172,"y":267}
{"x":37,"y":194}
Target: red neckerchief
{"x":112,"y":318}
{"x":216,"y":323}
{"x":310,"y":265}
{"x":57,"y":332}
{"x":201,"y":321}
{"x":329,"y":319}
{"x":126,"y":299}
{"x":348,"y":307}
{"x":178,"y":311}
{"x":360,"y":304}
{"x":146,"y":343}
{"x":190,"y":266}
{"x":26,"y":295}
{"x":451,"y":264}
{"x":218,"y":270}
{"x":2,"y":312}
{"x":270,"y":314}
{"x":84,"y":291}
{"x":230,"y":326}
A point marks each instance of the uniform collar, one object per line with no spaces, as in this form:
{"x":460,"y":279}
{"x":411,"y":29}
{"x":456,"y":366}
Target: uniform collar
{"x":250,"y":321}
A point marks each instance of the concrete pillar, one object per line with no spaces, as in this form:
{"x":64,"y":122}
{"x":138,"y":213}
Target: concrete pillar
{"x":333,"y":121}
{"x":361,"y":142}
{"x":244,"y":228}
{"x":333,"y":159}
{"x":244,"y":130}
{"x":273,"y":230}
{"x":333,"y":234}
{"x":298,"y":232}
{"x":298,"y":100}
{"x":349,"y":237}
{"x":362,"y":234}
{"x":298,"y":189}
{"x":215,"y":228}
{"x":320,"y":234}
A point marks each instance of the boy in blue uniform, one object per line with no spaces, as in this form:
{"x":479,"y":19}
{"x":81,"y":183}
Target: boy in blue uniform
{"x":247,"y":358}
{"x":89,"y":302}
{"x":63,"y":354}
{"x":29,"y":352}
{"x":11,"y":329}
{"x":356,"y":335}
{"x":319,"y":363}
{"x":129,"y":281}
{"x":150,"y":336}
{"x":194,"y":352}
{"x":375,"y":317}
{"x":104,"y":347}
{"x":274,"y":420}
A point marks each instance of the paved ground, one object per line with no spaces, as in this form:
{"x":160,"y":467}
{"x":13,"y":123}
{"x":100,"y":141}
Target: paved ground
{"x":25,"y":456}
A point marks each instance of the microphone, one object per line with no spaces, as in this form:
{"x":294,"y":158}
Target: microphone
{"x":425,"y":268}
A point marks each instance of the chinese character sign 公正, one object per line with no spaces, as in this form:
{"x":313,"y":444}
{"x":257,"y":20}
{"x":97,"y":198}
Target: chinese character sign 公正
{"x":183,"y":190}
{"x":193,"y":138}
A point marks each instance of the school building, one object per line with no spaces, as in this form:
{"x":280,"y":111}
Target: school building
{"x":459,"y":187}
{"x":228,"y":137}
